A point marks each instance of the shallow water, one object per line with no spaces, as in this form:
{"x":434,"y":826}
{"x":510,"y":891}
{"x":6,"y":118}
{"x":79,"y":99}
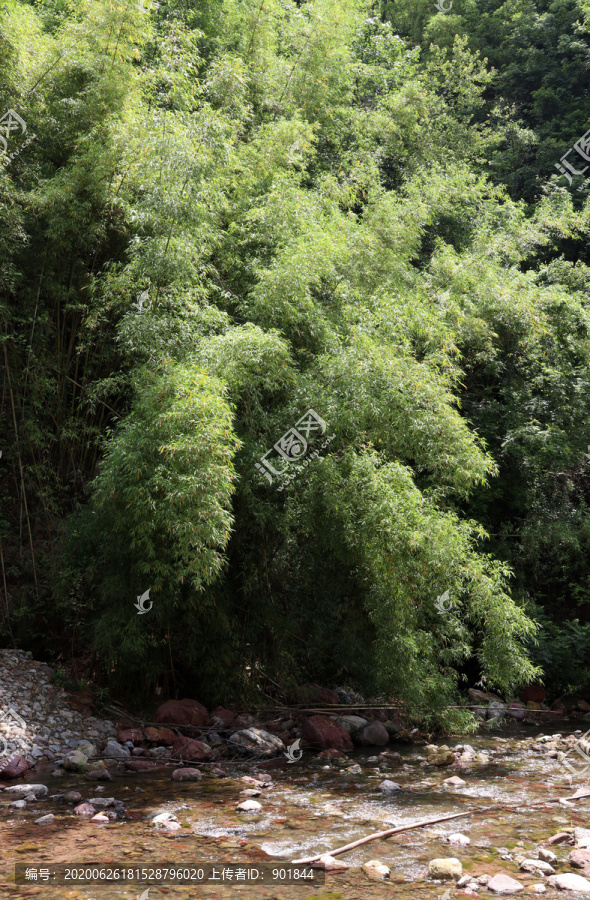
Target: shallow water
{"x":308,"y":810}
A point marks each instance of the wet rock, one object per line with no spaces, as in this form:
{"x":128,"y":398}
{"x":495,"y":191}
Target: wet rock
{"x":72,"y":796}
{"x":372,"y":734}
{"x":320,"y":731}
{"x":114,"y":750}
{"x":389,"y":787}
{"x":39,"y":790}
{"x":441,"y":758}
{"x":182,"y":712}
{"x":547,"y":855}
{"x":354,"y":770}
{"x":45,"y":820}
{"x":580,"y":859}
{"x":390,"y":758}
{"x":569,"y":882}
{"x":535,"y":866}
{"x":562,"y":837}
{"x":224,"y":716}
{"x":244,"y":720}
{"x":101,"y":774}
{"x":75,"y":761}
{"x":331,"y":753}
{"x":376,"y":870}
{"x":255,"y":740}
{"x":330,"y":863}
{"x":455,"y":781}
{"x":250,"y":792}
{"x":102,"y":802}
{"x":135,"y":735}
{"x":160,"y":735}
{"x":163,"y":819}
{"x":249,"y":806}
{"x":504,"y":884}
{"x":187,"y":775}
{"x":516,"y":711}
{"x":14,"y":766}
{"x":351,"y":724}
{"x":460,"y":839}
{"x":445,"y":869}
{"x":84,"y":809}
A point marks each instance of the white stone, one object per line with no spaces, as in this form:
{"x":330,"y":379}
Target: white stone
{"x":569,"y":882}
{"x":249,"y":806}
{"x":376,"y":870}
{"x":537,"y":866}
{"x":461,"y":839}
{"x":445,"y":869}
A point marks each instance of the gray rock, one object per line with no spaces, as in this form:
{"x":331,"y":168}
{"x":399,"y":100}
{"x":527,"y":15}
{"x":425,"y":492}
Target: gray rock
{"x":187,"y":774}
{"x":39,"y":790}
{"x":389,"y":787}
{"x":114,"y":749}
{"x":102,"y":802}
{"x":372,"y":734}
{"x":504,"y":884}
{"x":569,"y":882}
{"x":45,"y":820}
{"x":350,"y":723}
{"x":87,"y":748}
{"x":255,"y":740}
{"x":19,"y":804}
{"x":75,"y":761}
{"x":537,"y":866}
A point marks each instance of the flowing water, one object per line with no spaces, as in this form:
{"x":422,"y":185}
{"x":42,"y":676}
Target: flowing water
{"x":308,"y":810}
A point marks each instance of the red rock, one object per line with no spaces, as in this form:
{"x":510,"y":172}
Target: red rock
{"x":561,"y":838}
{"x":191,"y":750}
{"x":135,"y":735}
{"x":320,"y":731}
{"x":187,"y":775}
{"x":160,"y":735}
{"x":331,"y":753}
{"x":534,"y":693}
{"x":13,"y":766}
{"x":226,"y":715}
{"x":84,"y":809}
{"x":182,"y":712}
{"x":580,"y":859}
{"x":313,"y":693}
{"x":141,"y":765}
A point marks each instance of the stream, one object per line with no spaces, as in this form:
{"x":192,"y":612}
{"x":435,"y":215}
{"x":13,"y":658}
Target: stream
{"x":311,"y":807}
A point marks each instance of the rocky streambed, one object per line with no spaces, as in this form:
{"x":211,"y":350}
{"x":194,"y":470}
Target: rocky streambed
{"x":136,"y":796}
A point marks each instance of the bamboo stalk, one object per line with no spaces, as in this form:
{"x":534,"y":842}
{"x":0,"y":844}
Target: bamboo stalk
{"x":379,"y":835}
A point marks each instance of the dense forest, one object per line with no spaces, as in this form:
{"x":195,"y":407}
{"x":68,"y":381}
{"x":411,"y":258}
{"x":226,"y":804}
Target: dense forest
{"x":294,"y":315}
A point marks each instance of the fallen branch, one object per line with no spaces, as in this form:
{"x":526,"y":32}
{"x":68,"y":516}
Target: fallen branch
{"x":379,"y":835}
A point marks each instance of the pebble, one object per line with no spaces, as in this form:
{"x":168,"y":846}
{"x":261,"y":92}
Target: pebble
{"x":45,"y":820}
{"x":376,"y":870}
{"x":249,"y":806}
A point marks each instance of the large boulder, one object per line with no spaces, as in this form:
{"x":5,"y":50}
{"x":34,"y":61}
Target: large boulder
{"x":225,"y":716}
{"x":580,"y":859}
{"x":13,"y":766}
{"x":372,"y":734}
{"x":160,"y":735}
{"x":321,"y":732}
{"x":533,"y":693}
{"x":313,"y":693}
{"x":182,"y":712}
{"x":449,"y":869}
{"x":482,"y":696}
{"x":255,"y":740}
{"x":350,"y":723}
{"x":569,"y":882}
{"x":191,"y":750}
{"x":504,"y":884}
{"x":135,"y":735}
